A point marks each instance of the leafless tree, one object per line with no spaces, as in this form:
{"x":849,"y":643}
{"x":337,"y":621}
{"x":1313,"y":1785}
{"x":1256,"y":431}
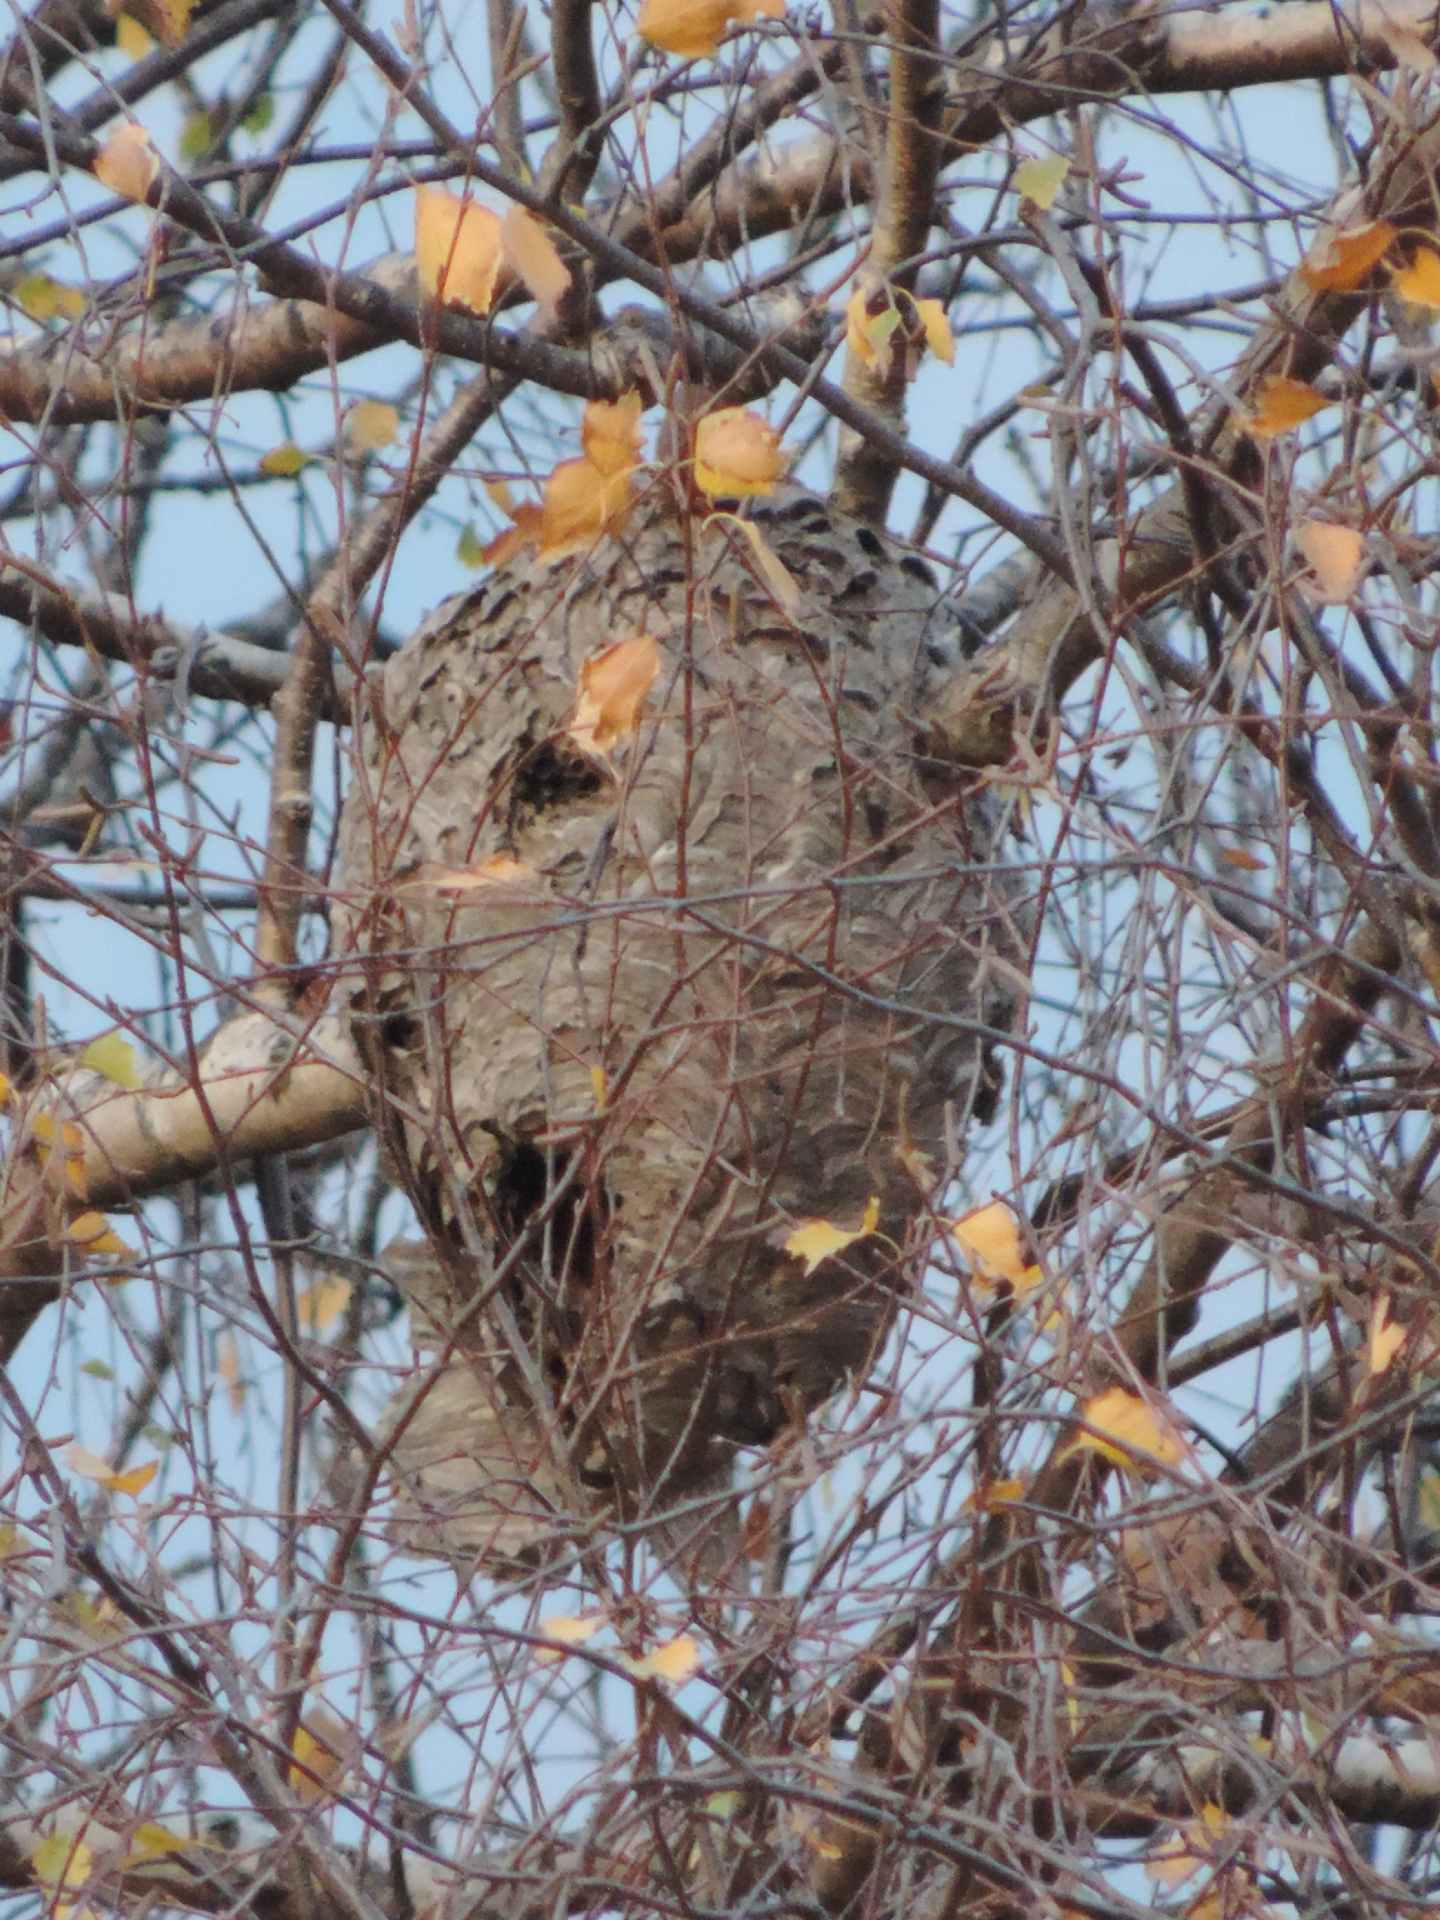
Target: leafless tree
{"x":742,"y":1226}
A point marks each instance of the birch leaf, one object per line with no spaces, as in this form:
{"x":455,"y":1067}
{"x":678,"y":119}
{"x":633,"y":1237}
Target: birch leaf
{"x":113,"y":1055}
{"x":816,"y":1240}
{"x":320,"y":1306}
{"x":1419,"y":282}
{"x":1385,"y":1340}
{"x":1040,"y":179}
{"x":989,"y":1238}
{"x":1337,"y":556}
{"x":1125,"y":1426}
{"x":530,"y":253}
{"x":614,"y":685}
{"x":371,"y":424}
{"x":674,"y":1662}
{"x":1340,"y":262}
{"x":457,"y":249}
{"x":127,"y":163}
{"x":1282,"y":404}
{"x":737,"y":454}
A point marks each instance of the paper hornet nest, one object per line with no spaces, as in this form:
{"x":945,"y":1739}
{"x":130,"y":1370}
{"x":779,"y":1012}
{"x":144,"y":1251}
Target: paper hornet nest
{"x":665,"y":936}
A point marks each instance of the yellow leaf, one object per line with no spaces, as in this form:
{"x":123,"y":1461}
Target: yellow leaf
{"x":5,"y":1089}
{"x":113,"y":1055}
{"x":46,"y":299}
{"x":580,"y":503}
{"x":167,"y":20}
{"x":870,"y":322}
{"x":285,"y":461}
{"x":127,"y":163}
{"x":1419,"y":282}
{"x":938,"y":337}
{"x":674,"y":1662}
{"x":570,"y":1630}
{"x":320,"y":1306}
{"x":989,"y":1238}
{"x":1242,"y":860}
{"x":693,"y":28}
{"x":470,"y":549}
{"x":530,"y":253}
{"x":457,"y":249}
{"x":1339,"y":262}
{"x":737,"y":454}
{"x":1039,"y":180}
{"x":1386,"y":1339}
{"x":371,"y":424}
{"x":1282,"y":404}
{"x":1125,"y":1426}
{"x":998,"y":1493}
{"x":816,"y":1240}
{"x":93,"y":1234}
{"x":60,"y":1860}
{"x":614,"y":685}
{"x":151,"y":1841}
{"x":131,"y":38}
{"x":1337,"y":555}
{"x":90,"y":1466}
{"x":600,"y":1087}
{"x":610,"y":434}
{"x":319,"y":1748}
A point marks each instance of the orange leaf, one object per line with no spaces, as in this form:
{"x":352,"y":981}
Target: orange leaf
{"x":1340,"y":262}
{"x":737,"y":454}
{"x":135,"y":1479}
{"x":614,"y":685}
{"x":500,"y":870}
{"x":610,"y":433}
{"x":525,"y":533}
{"x":1419,"y":282}
{"x":571,"y":1630}
{"x":989,"y":1238}
{"x":530,"y":253}
{"x":93,"y":1234}
{"x":580,"y":503}
{"x":457,"y":249}
{"x":998,"y":1493}
{"x":1282,"y":405}
{"x":127,"y":163}
{"x":1126,"y":1426}
{"x":816,"y":1240}
{"x":1337,"y":555}
{"x":693,"y":28}
{"x":91,"y":1467}
{"x":1242,"y":860}
{"x":1386,"y":1338}
{"x":675,"y":1661}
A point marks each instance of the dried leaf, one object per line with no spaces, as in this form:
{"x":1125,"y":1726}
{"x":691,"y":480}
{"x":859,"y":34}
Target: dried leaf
{"x":227,"y":1365}
{"x":570,"y":1630}
{"x":610,"y":434}
{"x":499,"y":870}
{"x":127,"y":163}
{"x":285,"y":461}
{"x":320,"y":1306}
{"x":371,"y":424}
{"x":581,"y":502}
{"x":816,"y":1240}
{"x":530,"y":253}
{"x":674,"y":1662}
{"x":1339,"y":262}
{"x":167,"y":20}
{"x":1241,"y":859}
{"x":1419,"y":282}
{"x":1040,"y":179}
{"x":990,"y":1240}
{"x":113,"y":1055}
{"x":871,"y":319}
{"x":1126,"y":1426}
{"x":614,"y":684}
{"x":1386,"y":1338}
{"x":1337,"y":555}
{"x":1410,"y":49}
{"x":693,"y":28}
{"x":773,"y":570}
{"x":457,"y":249}
{"x":737,"y":454}
{"x":1282,"y":404}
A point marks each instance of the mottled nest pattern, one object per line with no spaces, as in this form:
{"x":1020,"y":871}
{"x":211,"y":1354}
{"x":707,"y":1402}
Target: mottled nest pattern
{"x":747,"y":971}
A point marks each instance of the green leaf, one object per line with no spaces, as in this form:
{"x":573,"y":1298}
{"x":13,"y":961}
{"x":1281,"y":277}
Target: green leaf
{"x":97,"y":1370}
{"x":195,"y":135}
{"x":470,"y":549}
{"x":260,"y":115}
